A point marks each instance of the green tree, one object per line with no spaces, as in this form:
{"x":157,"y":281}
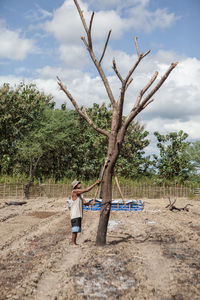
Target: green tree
{"x":174,"y":161}
{"x":90,"y":148}
{"x":132,"y":162}
{"x":45,"y":147}
{"x":194,"y":153}
{"x":21,"y":111}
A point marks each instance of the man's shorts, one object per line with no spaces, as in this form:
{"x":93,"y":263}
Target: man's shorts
{"x":76,"y":224}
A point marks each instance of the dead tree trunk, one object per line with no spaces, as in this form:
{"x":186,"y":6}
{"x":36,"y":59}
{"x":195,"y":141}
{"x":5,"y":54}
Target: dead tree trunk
{"x":118,"y":127}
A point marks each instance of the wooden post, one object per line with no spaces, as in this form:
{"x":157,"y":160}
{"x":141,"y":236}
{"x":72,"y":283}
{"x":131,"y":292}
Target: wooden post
{"x":120,"y":191}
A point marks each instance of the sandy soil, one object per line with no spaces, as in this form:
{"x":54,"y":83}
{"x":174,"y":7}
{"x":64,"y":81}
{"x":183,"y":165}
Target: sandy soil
{"x":153,"y":254}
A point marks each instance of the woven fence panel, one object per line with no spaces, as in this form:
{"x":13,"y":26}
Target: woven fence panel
{"x":16,"y":190}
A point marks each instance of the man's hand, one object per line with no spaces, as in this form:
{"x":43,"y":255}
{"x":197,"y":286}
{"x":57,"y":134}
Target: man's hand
{"x":98,"y":181}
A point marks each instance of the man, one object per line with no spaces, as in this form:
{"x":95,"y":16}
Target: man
{"x":77,"y":207}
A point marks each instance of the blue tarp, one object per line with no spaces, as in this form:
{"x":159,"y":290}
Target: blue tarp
{"x":118,"y":205}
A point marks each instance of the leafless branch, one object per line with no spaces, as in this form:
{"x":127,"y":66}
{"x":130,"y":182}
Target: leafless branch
{"x":132,"y":69}
{"x":143,"y":91}
{"x":137,"y":48}
{"x":82,"y":16}
{"x":124,"y":85}
{"x":126,"y":82}
{"x":116,"y":70}
{"x":89,"y":31}
{"x":104,"y":50}
{"x":136,"y":44}
{"x":92,"y":55}
{"x":129,"y":82}
{"x":145,"y":102}
{"x":143,"y":55}
{"x":82,"y":113}
{"x":149,"y":83}
{"x":161,"y":81}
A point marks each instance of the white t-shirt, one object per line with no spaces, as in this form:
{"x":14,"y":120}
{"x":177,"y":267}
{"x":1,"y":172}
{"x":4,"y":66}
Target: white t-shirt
{"x":77,"y":208}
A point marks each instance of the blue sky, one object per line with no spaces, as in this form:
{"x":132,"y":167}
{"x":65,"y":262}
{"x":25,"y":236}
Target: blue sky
{"x":41,"y":39}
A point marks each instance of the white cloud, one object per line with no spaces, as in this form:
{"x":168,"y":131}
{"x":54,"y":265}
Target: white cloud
{"x":67,"y":75}
{"x":13,"y":46}
{"x":38,"y":14}
{"x":66,"y":25}
{"x":176,"y":105}
{"x":73,"y":56}
{"x":140,"y":17}
{"x":67,"y":28}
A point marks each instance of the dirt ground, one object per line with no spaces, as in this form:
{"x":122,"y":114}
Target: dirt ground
{"x":152,"y":254}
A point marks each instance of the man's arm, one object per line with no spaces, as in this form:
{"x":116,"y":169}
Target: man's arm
{"x":81,"y":191}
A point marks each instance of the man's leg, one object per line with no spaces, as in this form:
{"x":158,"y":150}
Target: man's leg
{"x":74,"y":237}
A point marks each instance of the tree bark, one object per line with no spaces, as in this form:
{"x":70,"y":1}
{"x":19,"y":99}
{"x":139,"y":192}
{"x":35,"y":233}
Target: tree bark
{"x":105,"y":208}
{"x":113,"y":153}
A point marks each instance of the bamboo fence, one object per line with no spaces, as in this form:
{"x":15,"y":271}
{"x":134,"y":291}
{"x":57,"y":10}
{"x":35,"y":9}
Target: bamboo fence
{"x":16,"y":190}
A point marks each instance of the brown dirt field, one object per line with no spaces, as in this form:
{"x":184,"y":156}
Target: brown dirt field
{"x":153,"y":254}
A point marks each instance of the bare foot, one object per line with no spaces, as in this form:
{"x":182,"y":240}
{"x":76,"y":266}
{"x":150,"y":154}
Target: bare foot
{"x":73,"y":244}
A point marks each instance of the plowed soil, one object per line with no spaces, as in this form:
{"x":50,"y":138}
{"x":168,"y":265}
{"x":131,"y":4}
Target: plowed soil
{"x":152,"y":254}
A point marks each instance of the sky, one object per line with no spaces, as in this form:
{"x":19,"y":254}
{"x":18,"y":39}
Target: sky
{"x":40,"y":40}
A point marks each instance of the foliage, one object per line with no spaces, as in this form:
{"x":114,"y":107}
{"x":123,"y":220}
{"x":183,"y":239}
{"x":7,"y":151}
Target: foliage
{"x":174,"y":161}
{"x":91,"y":147}
{"x":194,"y":153}
{"x":67,"y":147}
{"x":88,"y":146}
{"x":21,"y":111}
{"x":131,"y":162}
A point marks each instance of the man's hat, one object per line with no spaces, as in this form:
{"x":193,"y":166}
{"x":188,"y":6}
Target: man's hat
{"x":75,"y":183}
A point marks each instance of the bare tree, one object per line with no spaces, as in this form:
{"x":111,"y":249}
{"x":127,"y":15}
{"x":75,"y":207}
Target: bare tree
{"x":118,"y":126}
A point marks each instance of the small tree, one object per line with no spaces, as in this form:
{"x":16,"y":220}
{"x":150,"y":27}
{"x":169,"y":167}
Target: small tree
{"x":194,"y":153}
{"x":119,"y":126}
{"x":174,"y":161}
{"x":30,"y":151}
{"x":21,"y":112}
{"x":49,"y":138}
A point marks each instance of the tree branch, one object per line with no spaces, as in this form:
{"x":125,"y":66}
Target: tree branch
{"x":137,"y":48}
{"x":136,"y":44}
{"x":143,"y":91}
{"x":89,"y":32}
{"x":82,"y":16}
{"x":85,"y":42}
{"x":81,"y":113}
{"x":116,"y":70}
{"x":128,"y":80}
{"x":104,"y":50}
{"x":92,"y":55}
{"x":158,"y":85}
{"x":102,"y":131}
{"x":128,"y":83}
{"x":138,"y":107}
{"x":132,"y":69}
{"x":147,"y":103}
